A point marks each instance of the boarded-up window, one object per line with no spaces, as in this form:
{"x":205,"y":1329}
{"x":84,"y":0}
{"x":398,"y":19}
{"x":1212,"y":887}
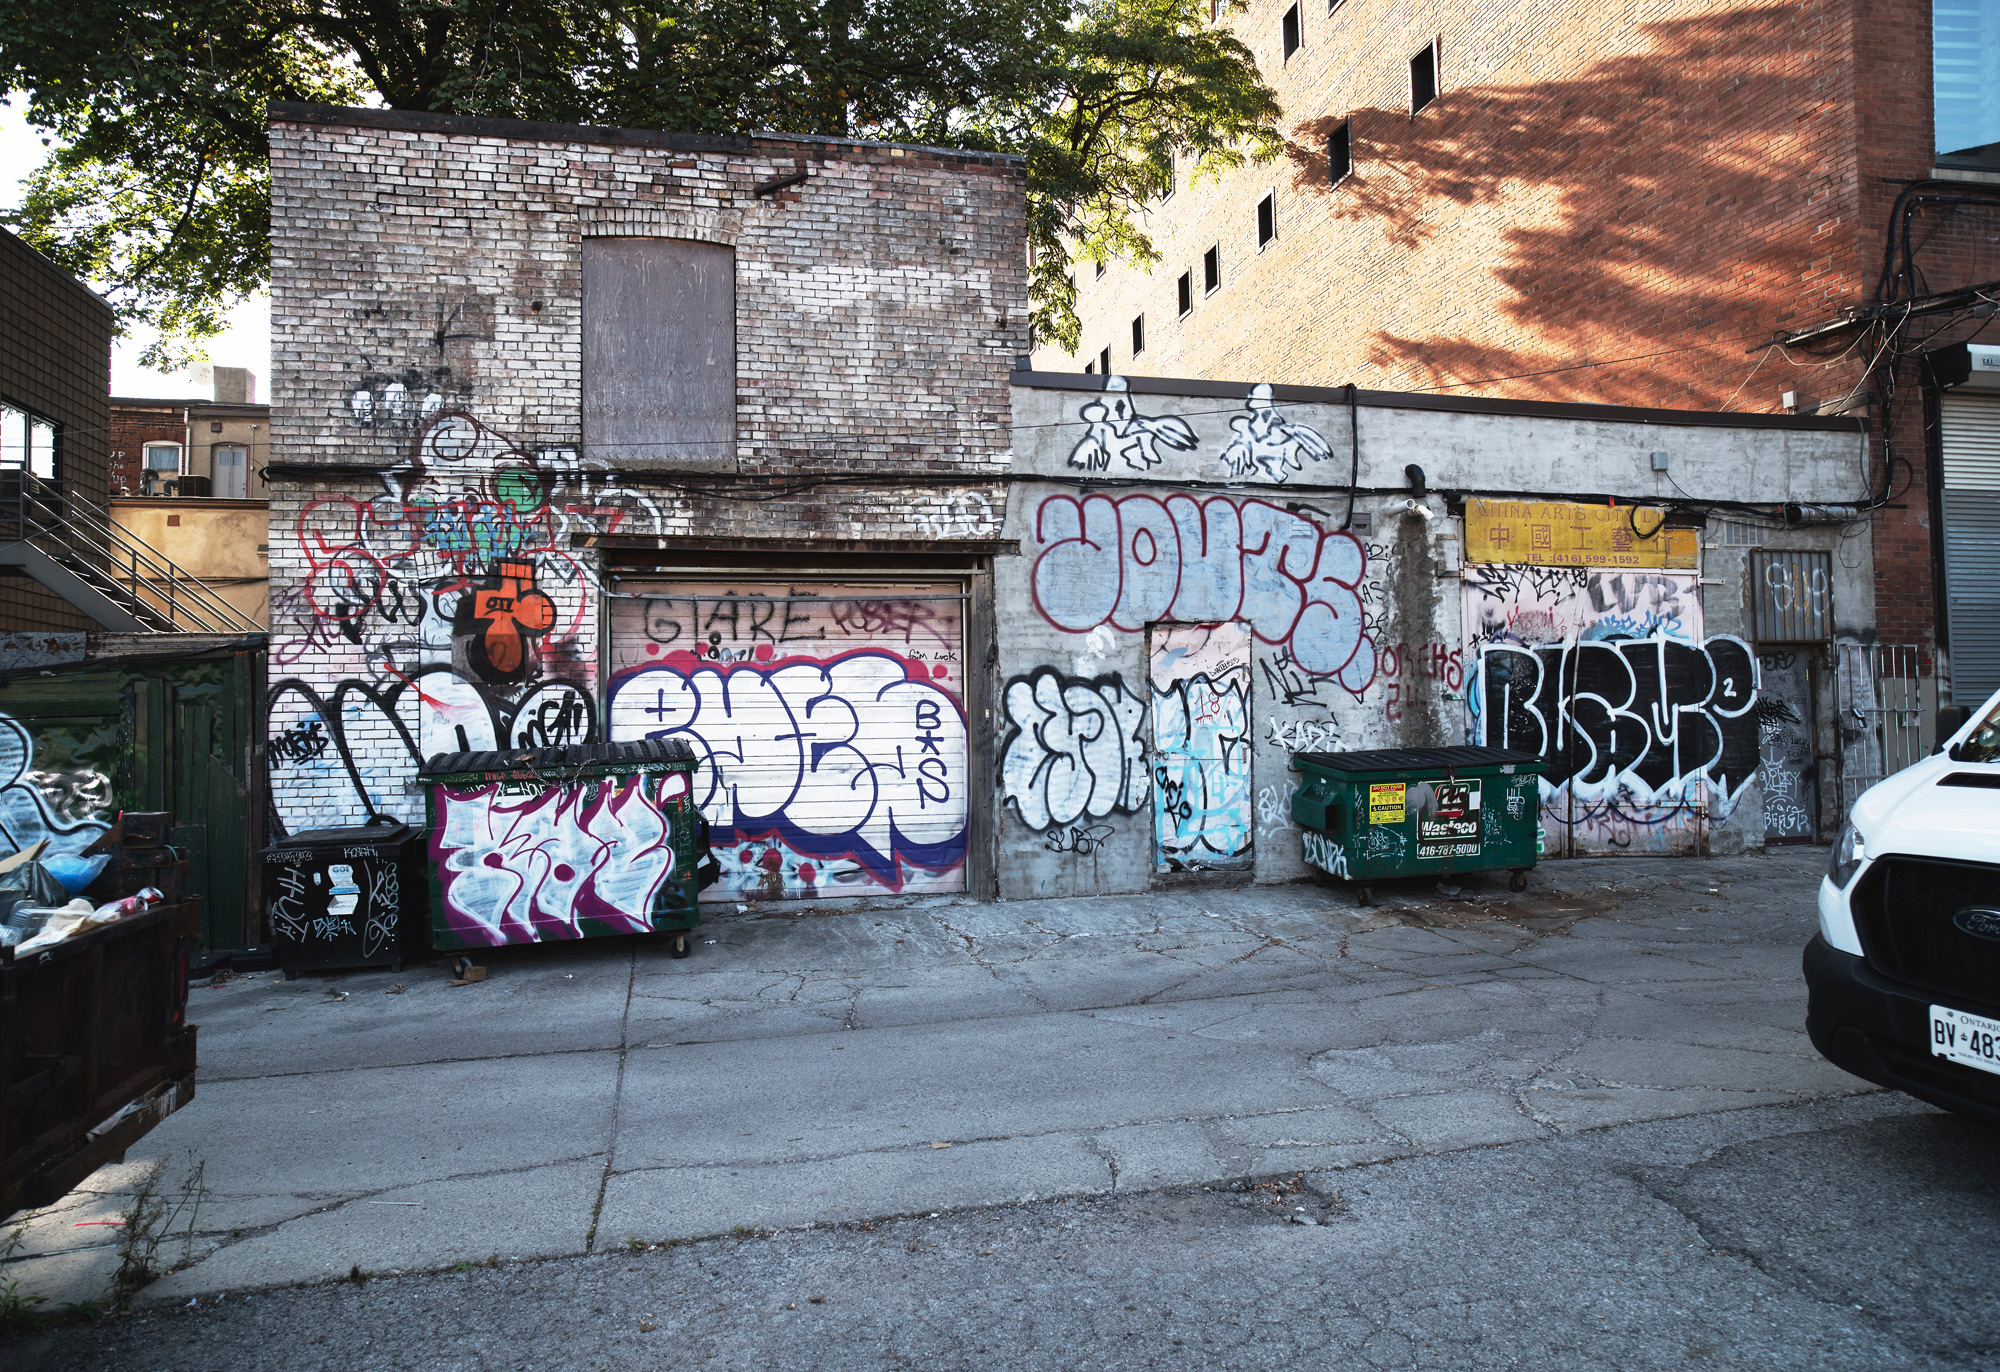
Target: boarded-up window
{"x":659,"y":353}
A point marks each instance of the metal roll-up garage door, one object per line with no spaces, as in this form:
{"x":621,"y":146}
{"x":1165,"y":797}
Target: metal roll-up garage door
{"x":1970,"y":433}
{"x":829,"y":717}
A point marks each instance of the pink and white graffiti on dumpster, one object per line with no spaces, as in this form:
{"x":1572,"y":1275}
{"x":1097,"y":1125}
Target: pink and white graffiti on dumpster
{"x":523,"y":862}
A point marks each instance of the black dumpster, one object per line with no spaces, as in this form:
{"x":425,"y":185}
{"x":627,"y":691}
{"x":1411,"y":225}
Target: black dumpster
{"x":1411,"y":812}
{"x":346,"y":897}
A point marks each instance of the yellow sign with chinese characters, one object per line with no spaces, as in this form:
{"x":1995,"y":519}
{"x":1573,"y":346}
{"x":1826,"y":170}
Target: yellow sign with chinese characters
{"x":1387,"y":803}
{"x":1559,"y":533}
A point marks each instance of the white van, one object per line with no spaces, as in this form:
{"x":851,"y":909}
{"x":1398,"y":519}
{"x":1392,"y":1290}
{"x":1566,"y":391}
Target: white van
{"x":1904,"y":975}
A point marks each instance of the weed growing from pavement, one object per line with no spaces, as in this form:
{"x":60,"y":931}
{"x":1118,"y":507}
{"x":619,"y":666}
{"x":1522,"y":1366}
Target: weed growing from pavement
{"x":17,"y":1309}
{"x":151,"y":1217}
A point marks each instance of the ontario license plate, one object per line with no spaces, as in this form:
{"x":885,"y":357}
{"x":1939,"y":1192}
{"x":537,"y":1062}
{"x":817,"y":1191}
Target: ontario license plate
{"x":1971,"y":1039}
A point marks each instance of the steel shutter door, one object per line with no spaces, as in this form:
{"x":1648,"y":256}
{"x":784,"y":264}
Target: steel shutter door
{"x":1970,"y":431}
{"x":829,"y":719}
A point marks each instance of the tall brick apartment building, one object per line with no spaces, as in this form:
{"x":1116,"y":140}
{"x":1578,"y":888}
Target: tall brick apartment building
{"x":586,"y":435}
{"x":1625,"y":204}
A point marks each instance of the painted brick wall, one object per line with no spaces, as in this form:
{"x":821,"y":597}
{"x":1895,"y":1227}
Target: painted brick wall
{"x":427,"y":325}
{"x":1607,"y":202}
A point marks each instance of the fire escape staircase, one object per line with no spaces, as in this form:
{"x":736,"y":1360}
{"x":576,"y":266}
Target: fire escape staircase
{"x":117,"y":580}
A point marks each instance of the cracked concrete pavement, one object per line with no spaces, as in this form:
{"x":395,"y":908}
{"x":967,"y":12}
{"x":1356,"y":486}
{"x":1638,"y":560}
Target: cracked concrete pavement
{"x":814,"y":1066}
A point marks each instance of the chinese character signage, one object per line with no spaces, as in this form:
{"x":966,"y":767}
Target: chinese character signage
{"x":1553,"y":533}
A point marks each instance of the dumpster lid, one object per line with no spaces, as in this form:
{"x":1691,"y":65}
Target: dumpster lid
{"x":381,"y":832}
{"x":1417,"y":759}
{"x":638,"y":752}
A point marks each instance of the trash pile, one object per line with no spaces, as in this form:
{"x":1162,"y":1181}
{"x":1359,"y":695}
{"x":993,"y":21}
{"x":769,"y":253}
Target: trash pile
{"x":45,"y":900}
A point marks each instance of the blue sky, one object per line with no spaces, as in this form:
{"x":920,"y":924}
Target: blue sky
{"x":247,"y":344}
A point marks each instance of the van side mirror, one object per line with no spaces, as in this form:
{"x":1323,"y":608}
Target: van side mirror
{"x":1950,"y":719}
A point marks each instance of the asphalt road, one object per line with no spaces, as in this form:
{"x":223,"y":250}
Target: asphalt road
{"x":1860,"y":1233}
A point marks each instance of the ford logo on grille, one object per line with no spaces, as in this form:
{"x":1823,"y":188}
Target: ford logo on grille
{"x":1980,"y":921}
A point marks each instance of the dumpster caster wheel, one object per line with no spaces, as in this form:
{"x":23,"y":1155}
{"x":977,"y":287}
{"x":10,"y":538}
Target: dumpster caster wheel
{"x":1364,"y":895}
{"x":682,"y":945}
{"x":1518,"y":882}
{"x":291,"y":975}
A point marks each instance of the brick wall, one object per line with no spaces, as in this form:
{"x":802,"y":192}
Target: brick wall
{"x":132,"y":428}
{"x":55,"y":359}
{"x":427,"y":323}
{"x":1613,"y":203}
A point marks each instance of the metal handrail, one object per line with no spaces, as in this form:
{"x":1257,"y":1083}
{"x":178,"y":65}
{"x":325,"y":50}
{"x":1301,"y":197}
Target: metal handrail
{"x":52,"y":510}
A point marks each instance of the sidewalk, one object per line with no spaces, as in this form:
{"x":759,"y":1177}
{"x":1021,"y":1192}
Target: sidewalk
{"x":806,"y":1068}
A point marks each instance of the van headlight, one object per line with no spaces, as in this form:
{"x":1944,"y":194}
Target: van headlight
{"x":1849,"y":852}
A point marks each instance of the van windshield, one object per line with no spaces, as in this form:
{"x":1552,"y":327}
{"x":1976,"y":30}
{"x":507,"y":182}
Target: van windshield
{"x":1983,"y":743}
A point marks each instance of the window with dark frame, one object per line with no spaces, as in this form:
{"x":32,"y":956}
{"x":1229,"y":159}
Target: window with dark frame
{"x":1185,"y":288}
{"x":1291,"y":31}
{"x":1267,"y":219}
{"x":1172,"y":179}
{"x":1100,"y":271}
{"x":1211,"y":270}
{"x":1138,"y":334}
{"x":1424,"y":76}
{"x":1339,"y":154}
{"x":1090,"y":368}
{"x":1104,"y":361}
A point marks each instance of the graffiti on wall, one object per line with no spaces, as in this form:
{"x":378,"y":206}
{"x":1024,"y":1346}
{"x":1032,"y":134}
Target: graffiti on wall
{"x":1524,"y":604}
{"x":1140,"y":559}
{"x":516,"y":867}
{"x":1265,"y":444}
{"x":67,"y":806}
{"x":854,"y":764}
{"x":446,"y":614}
{"x":1075,"y":750}
{"x":1202,"y":809}
{"x":1635,"y":731}
{"x":1787,"y":769}
{"x":1113,"y":428}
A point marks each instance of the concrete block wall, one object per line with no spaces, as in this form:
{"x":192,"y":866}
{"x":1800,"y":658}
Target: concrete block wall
{"x":426,"y":415}
{"x":1212,"y":505}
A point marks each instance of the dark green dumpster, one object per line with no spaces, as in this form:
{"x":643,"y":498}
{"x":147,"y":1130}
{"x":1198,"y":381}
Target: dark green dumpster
{"x":561,"y":843}
{"x":1414,"y":812}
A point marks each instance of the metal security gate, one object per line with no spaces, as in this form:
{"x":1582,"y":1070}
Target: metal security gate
{"x":1885,"y":704}
{"x":829,"y":718}
{"x":1969,"y":444}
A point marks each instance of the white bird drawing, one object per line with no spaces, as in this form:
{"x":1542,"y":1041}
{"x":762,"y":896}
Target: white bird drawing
{"x":1266,"y":441}
{"x":1116,"y":429}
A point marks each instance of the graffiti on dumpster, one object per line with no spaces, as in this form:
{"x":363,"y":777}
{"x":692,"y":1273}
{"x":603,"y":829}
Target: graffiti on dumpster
{"x":516,"y":868}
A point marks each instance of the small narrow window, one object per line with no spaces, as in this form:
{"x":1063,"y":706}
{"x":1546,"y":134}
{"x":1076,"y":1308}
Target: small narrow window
{"x":1211,"y":270}
{"x":1291,"y":31}
{"x":1090,"y":369}
{"x":1339,"y":154}
{"x":1100,"y":271}
{"x":1104,"y":361}
{"x":1138,"y":335}
{"x":1186,"y":291}
{"x":1267,"y":219}
{"x":1215,"y":9}
{"x":1424,"y":76}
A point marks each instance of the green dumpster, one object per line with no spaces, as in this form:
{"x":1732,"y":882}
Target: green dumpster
{"x":567,"y":842}
{"x":1413,"y":812}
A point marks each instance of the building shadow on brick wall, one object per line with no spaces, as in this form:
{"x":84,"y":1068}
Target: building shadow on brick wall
{"x":1631,"y":180}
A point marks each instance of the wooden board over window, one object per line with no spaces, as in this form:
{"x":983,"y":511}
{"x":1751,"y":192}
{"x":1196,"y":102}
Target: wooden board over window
{"x":1557,"y":533}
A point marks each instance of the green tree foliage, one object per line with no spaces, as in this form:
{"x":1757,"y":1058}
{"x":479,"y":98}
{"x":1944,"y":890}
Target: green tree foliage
{"x":158,"y":186}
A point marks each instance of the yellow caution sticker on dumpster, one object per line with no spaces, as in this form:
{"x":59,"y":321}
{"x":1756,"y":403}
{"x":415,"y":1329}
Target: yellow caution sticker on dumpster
{"x":1387,"y":802}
